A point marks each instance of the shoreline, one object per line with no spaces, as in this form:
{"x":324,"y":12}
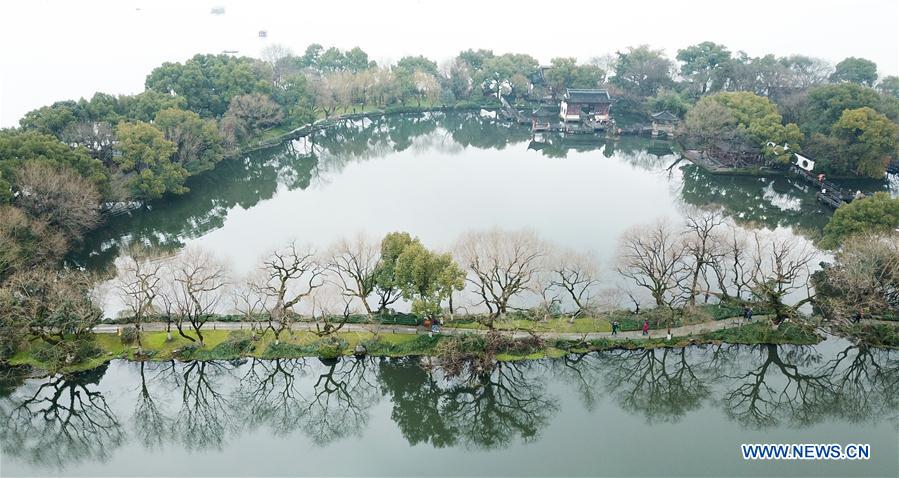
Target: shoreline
{"x":516,"y":345}
{"x":513,"y":345}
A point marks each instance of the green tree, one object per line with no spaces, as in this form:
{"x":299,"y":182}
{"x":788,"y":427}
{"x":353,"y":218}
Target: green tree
{"x":19,"y":147}
{"x":387,"y":286}
{"x":643,"y":71}
{"x":826,"y":104}
{"x":356,"y":60}
{"x":310,"y":56}
{"x":146,"y":160}
{"x":295,"y":96}
{"x":704,"y":64}
{"x":475,"y":58}
{"x":669,"y":100}
{"x":511,"y":69}
{"x":874,"y":214}
{"x":51,"y":119}
{"x":197,"y":140}
{"x":427,"y":278}
{"x":144,"y":106}
{"x":889,"y":85}
{"x":209,"y":82}
{"x":331,"y":60}
{"x":868,"y":139}
{"x":566,"y":73}
{"x":409,"y":75}
{"x":749,"y":117}
{"x":855,"y":70}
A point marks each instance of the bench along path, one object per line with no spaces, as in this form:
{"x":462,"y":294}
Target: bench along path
{"x":685,"y":330}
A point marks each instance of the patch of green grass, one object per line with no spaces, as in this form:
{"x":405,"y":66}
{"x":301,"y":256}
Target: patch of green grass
{"x":877,"y":335}
{"x":764,"y":333}
{"x":555,"y":324}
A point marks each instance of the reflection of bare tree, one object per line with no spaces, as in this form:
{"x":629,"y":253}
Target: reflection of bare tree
{"x":584,"y":372}
{"x":661,"y":384}
{"x":60,"y":421}
{"x":269,"y":394}
{"x":489,"y":409}
{"x":780,"y":388}
{"x":150,"y":421}
{"x":865,"y":383}
{"x":339,"y":401}
{"x":203,"y":419}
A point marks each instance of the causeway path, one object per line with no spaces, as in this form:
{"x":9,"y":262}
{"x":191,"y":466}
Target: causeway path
{"x":685,"y":330}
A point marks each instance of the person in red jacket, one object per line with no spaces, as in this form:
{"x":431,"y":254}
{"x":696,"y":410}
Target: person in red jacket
{"x":645,"y":326}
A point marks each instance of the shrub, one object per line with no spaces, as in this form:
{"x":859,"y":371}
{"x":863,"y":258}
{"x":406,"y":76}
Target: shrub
{"x":129,"y":335}
{"x":238,"y":343}
{"x":72,"y":351}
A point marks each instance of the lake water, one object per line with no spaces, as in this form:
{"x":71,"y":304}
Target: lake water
{"x":678,"y":412}
{"x":439,"y":175}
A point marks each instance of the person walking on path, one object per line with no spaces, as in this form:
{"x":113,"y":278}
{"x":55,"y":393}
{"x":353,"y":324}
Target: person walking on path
{"x":645,"y":326}
{"x":615,"y":326}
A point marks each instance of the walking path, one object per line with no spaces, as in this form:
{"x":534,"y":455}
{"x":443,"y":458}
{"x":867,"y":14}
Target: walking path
{"x":402,"y":329}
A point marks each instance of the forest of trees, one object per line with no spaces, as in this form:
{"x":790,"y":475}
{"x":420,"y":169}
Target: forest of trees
{"x":69,"y":162}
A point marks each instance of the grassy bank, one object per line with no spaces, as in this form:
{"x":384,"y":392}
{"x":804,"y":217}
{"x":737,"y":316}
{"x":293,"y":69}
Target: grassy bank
{"x":230,"y":345}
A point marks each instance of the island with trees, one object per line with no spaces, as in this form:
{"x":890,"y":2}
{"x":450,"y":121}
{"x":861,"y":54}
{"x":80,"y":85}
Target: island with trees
{"x":71,"y":165}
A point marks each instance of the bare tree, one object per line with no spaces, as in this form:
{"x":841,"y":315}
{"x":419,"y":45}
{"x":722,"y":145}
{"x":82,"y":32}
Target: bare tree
{"x":577,"y":275}
{"x":275,"y":55}
{"x":330,"y":310}
{"x":324,"y":92}
{"x":59,"y":196}
{"x":502,"y":265}
{"x":864,"y":279}
{"x":250,"y":301}
{"x":702,"y":249}
{"x":353,"y":264}
{"x":167,"y":294}
{"x":291,"y":275}
{"x":200,"y":281}
{"x":731,"y":267}
{"x":138,"y":282}
{"x":248,"y":115}
{"x":26,"y":242}
{"x":652,"y":256}
{"x":781,"y":266}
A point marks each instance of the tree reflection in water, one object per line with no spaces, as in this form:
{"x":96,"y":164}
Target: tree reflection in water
{"x":340,"y":400}
{"x":204,"y":416}
{"x":60,"y":420}
{"x":783,"y":384}
{"x":57,"y":421}
{"x":660,"y":384}
{"x":481,"y":409}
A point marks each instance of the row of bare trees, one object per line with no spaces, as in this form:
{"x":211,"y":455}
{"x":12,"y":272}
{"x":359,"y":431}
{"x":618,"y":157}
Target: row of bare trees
{"x":707,"y":257}
{"x":700,"y":260}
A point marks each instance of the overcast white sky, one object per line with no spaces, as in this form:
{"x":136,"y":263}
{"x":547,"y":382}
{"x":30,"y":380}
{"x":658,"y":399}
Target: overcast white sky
{"x":53,"y":50}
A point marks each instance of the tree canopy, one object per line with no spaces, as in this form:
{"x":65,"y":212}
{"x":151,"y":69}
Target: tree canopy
{"x":855,"y":70}
{"x":208,"y":82}
{"x":877,"y":213}
{"x":146,"y":160}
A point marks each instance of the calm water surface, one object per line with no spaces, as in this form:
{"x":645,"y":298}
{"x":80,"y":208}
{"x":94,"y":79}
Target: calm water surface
{"x":656,"y":412}
{"x":439,"y":175}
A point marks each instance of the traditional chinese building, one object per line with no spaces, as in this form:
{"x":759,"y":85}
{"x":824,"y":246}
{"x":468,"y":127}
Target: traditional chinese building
{"x":664,"y":122}
{"x":585,"y":104}
{"x":544,"y":119}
